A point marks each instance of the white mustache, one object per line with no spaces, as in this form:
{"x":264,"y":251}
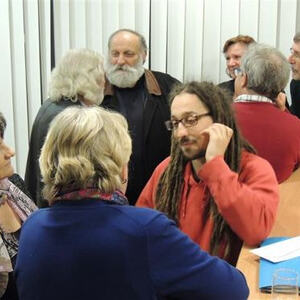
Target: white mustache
{"x":122,"y":68}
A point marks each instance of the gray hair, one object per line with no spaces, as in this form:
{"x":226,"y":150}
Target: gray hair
{"x":143,"y":44}
{"x":296,"y":38}
{"x":2,"y":125}
{"x":267,"y":70}
{"x":79,"y":74}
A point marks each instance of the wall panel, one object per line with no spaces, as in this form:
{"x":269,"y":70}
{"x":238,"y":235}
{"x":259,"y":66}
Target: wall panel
{"x":142,"y":22}
{"x":19,"y":89}
{"x":286,"y":25}
{"x":6,"y":104}
{"x":78,"y":30}
{"x":110,"y":19}
{"x":94,"y":25}
{"x":45,"y":45}
{"x":193,"y":40}
{"x":158,"y":35}
{"x":127,"y":14}
{"x":249,"y":13}
{"x":211,"y":38}
{"x":268,"y":20}
{"x":61,"y":27}
{"x":32,"y":50}
{"x":176,"y":29}
{"x":297,"y":29}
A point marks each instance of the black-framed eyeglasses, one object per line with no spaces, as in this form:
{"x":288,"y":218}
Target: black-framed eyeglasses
{"x":188,"y":121}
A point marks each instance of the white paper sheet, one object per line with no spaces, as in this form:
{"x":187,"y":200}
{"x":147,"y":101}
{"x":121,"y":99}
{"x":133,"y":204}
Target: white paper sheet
{"x":280,"y":251}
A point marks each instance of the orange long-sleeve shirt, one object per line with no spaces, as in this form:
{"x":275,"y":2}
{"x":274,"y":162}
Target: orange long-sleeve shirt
{"x":247,"y":201}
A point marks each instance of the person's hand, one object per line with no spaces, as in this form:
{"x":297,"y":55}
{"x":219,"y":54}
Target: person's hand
{"x":219,"y":138}
{"x":280,"y":101}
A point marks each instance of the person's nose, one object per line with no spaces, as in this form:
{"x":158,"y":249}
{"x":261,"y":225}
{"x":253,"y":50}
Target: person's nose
{"x":121,"y":60}
{"x":232,"y":62}
{"x":9,"y":152}
{"x":180,"y":131}
{"x":291,"y":59}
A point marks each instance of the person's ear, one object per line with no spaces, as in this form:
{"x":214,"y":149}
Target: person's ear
{"x":244,"y":80}
{"x":144,"y":55}
{"x":124,"y":174}
{"x":124,"y":177}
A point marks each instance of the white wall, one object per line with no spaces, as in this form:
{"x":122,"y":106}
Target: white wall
{"x":185,"y":39}
{"x":24,"y":68}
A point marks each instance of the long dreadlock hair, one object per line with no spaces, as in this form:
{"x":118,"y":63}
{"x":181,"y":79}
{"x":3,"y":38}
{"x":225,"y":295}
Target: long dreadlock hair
{"x":169,"y":189}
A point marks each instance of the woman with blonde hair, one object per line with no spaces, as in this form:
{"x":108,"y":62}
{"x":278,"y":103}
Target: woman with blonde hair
{"x":89,"y":244}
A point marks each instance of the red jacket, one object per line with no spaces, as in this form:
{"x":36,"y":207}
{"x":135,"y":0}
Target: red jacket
{"x":247,"y":201}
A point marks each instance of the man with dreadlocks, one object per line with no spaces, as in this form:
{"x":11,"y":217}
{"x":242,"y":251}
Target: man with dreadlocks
{"x":213,"y":185}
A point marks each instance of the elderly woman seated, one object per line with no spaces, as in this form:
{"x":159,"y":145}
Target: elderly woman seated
{"x":15,"y":206}
{"x":89,"y":244}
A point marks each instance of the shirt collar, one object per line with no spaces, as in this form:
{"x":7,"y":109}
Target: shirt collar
{"x":253,"y":98}
{"x":151,"y":84}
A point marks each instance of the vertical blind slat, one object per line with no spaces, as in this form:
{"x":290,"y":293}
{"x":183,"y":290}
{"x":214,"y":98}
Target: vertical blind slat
{"x":19,"y":89}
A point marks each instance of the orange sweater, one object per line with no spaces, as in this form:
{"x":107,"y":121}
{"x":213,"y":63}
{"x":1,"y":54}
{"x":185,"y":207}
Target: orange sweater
{"x":247,"y":201}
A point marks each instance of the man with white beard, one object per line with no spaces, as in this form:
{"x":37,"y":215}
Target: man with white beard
{"x":141,"y":96}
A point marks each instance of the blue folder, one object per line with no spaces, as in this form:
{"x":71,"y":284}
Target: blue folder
{"x":267,"y":268}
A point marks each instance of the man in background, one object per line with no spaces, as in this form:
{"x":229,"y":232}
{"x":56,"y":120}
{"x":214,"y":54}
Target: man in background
{"x":140,"y":95}
{"x":233,"y":50}
{"x":274,"y":133}
{"x":294,"y":60}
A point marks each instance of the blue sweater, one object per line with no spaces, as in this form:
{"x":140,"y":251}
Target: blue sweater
{"x":92,"y":249}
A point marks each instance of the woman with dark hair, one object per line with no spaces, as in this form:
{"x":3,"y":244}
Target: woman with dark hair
{"x":15,"y":206}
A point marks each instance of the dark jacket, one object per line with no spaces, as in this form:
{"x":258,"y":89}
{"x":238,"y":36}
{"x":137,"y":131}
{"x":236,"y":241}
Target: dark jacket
{"x":157,"y":139}
{"x":228,"y":86}
{"x":45,"y":115}
{"x":295,"y":95}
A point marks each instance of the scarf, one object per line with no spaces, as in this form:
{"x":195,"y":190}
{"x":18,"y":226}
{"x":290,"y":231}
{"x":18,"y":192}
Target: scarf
{"x":117,"y":197}
{"x":15,"y":207}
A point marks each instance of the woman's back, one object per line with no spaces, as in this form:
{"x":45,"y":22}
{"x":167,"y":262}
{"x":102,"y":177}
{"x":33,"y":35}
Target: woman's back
{"x":95,"y":249}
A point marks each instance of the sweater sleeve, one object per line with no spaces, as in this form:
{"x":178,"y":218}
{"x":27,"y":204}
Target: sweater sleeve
{"x":180,"y":269}
{"x":247,"y":201}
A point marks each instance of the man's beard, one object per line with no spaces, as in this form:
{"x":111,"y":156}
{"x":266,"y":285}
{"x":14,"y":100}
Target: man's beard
{"x":199,"y":155}
{"x":124,"y":76}
{"x":187,"y":153}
